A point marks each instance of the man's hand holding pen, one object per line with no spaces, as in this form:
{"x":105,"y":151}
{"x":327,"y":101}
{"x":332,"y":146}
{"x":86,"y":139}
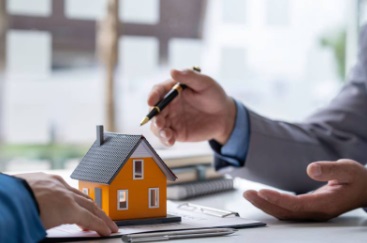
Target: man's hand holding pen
{"x":203,"y":111}
{"x":161,"y":104}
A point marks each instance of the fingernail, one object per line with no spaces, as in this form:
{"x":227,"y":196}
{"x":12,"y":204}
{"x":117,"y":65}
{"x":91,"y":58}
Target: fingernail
{"x":249,"y":199}
{"x":155,"y":122}
{"x":316,"y":170}
{"x":248,"y":196}
{"x":115,"y":227}
{"x":265,"y":197}
{"x":167,"y":143}
{"x":163,"y":134}
{"x":183,"y":72}
{"x":108,"y":232}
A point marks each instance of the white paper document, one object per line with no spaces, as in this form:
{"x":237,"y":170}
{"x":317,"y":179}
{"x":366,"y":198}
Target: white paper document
{"x":193,"y":217}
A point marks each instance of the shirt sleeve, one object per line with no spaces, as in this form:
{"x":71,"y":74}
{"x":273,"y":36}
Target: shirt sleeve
{"x":20,"y":220}
{"x":234,"y":152}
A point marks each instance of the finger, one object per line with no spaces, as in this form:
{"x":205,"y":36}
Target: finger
{"x":159,"y":91}
{"x":160,"y":122}
{"x":170,"y":142}
{"x":166,"y":134}
{"x":342,"y":171}
{"x":288,"y":201}
{"x":281,"y":211}
{"x":76,"y":191}
{"x":313,"y":206}
{"x":167,"y":137}
{"x":160,"y":128}
{"x":93,"y":208}
{"x":194,"y":80}
{"x":86,"y":220}
{"x":274,"y":210}
{"x":154,"y":128}
{"x":157,"y":126}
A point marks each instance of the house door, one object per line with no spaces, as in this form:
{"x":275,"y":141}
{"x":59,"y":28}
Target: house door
{"x":98,"y":196}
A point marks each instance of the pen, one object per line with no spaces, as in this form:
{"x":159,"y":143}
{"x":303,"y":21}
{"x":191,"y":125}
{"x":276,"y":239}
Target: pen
{"x":178,"y":234}
{"x":157,"y":108}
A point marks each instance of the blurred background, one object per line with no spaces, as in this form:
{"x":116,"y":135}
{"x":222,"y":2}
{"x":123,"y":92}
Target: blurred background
{"x":68,"y":65}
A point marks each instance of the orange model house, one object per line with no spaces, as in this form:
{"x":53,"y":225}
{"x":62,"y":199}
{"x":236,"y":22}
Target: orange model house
{"x":125,"y":177}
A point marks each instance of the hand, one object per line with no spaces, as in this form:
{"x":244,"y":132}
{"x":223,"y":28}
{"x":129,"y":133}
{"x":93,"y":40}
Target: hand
{"x":61,"y":204}
{"x":201,"y":112}
{"x":346,"y":190}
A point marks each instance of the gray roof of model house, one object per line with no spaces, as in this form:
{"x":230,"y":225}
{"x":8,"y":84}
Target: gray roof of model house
{"x":103,"y":162}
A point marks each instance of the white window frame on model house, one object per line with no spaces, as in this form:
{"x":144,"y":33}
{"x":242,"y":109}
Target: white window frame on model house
{"x":85,"y":191}
{"x":120,"y":195}
{"x":138,"y":175}
{"x":153,"y":195}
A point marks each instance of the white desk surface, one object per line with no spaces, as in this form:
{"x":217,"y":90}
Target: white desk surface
{"x":349,"y":227}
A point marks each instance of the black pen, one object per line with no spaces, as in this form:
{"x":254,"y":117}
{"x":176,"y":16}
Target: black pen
{"x":157,"y":108}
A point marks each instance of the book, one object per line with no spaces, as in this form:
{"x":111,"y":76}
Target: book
{"x":194,"y":173}
{"x":183,"y":158}
{"x":199,"y":188}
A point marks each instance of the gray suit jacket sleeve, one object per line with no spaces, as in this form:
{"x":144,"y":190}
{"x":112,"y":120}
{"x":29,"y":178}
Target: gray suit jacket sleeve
{"x":279,"y":152}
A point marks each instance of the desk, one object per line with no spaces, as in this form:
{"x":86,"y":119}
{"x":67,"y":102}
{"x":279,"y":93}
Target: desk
{"x":349,"y":227}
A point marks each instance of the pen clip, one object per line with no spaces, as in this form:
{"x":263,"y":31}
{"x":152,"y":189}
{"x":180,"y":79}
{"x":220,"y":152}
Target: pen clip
{"x":208,"y":210}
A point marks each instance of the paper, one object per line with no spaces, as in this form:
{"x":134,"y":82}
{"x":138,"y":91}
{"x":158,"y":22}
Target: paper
{"x":190,"y":220}
{"x":73,"y":231}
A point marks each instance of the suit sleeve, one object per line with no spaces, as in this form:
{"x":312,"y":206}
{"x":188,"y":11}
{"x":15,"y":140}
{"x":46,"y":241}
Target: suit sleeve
{"x":279,"y":152}
{"x":19,"y":216}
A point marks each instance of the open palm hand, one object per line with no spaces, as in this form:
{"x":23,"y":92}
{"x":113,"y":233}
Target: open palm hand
{"x":345,"y":190}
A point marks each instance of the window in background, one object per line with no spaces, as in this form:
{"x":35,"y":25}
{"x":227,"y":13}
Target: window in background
{"x":139,"y":11}
{"x":234,"y":11}
{"x":30,"y":8}
{"x":278,"y":64}
{"x":28,"y":53}
{"x":184,"y":53}
{"x":277,"y":12}
{"x":78,"y":10}
{"x":363,"y":12}
{"x":266,"y":53}
{"x":139,"y":59}
{"x":233,"y":66}
{"x":28,"y":66}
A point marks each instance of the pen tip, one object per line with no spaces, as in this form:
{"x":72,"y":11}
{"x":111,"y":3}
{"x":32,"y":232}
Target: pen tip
{"x":145,"y":120}
{"x":196,"y":68}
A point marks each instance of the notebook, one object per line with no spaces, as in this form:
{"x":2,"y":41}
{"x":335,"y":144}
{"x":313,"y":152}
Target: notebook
{"x":194,"y":173}
{"x":199,"y":188}
{"x":183,"y":158}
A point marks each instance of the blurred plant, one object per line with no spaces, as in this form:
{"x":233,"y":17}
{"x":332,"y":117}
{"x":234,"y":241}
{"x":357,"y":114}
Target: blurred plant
{"x":57,"y":154}
{"x":337,"y":42}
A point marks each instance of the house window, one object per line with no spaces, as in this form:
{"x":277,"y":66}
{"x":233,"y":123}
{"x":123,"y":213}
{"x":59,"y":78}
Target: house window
{"x":122,"y":199}
{"x":138,"y":169}
{"x":85,"y":191}
{"x":153,"y":197}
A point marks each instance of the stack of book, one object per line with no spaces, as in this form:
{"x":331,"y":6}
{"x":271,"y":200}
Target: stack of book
{"x":195,"y":173}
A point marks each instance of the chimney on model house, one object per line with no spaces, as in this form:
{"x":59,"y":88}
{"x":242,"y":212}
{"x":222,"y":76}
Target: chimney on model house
{"x":99,"y":135}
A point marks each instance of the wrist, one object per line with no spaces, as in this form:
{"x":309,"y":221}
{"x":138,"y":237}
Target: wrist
{"x":228,"y":121}
{"x":30,"y":190}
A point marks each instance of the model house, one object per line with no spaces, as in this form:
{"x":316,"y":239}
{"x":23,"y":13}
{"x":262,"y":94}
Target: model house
{"x":125,"y":176}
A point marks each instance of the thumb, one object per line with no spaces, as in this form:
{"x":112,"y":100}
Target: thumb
{"x":192,"y":79}
{"x":342,"y":170}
